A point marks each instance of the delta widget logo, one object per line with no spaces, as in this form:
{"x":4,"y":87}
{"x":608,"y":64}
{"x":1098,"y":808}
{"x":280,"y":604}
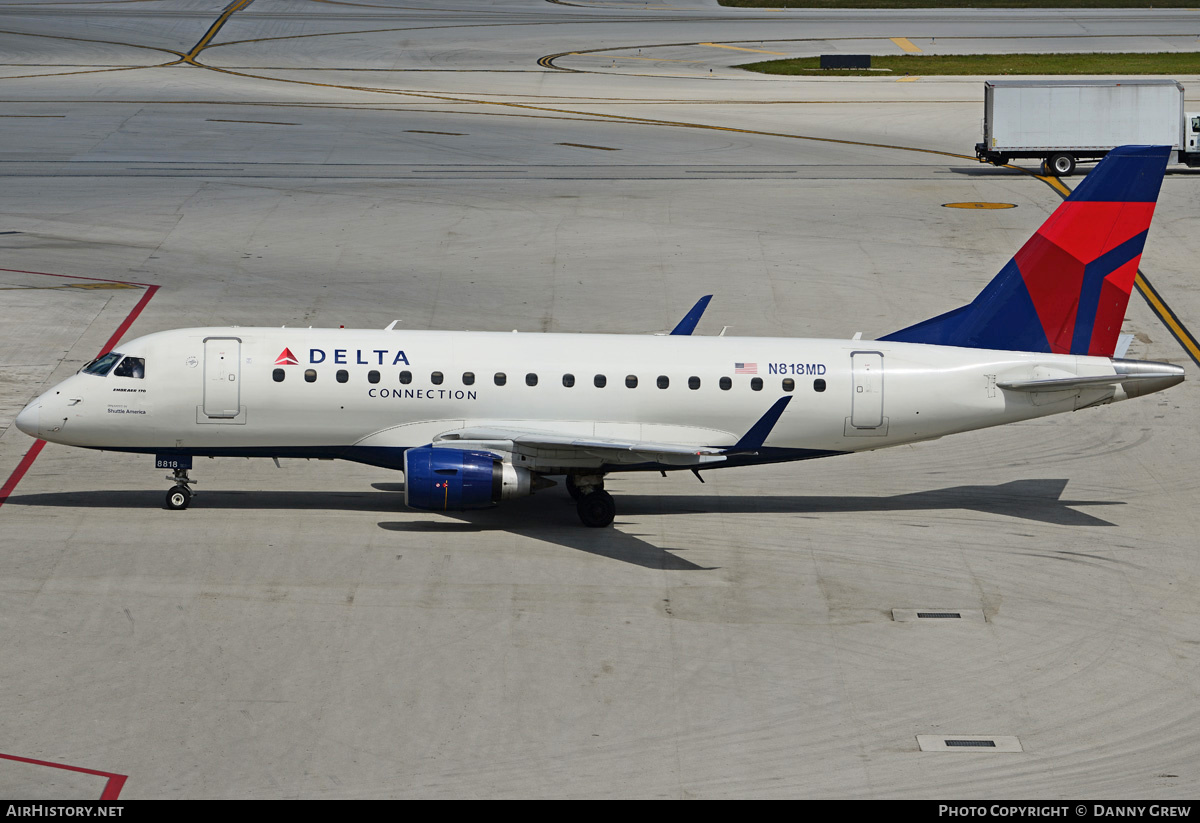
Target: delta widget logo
{"x":286,"y":358}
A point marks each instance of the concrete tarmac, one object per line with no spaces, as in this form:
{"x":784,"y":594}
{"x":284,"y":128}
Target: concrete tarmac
{"x":299,"y":633}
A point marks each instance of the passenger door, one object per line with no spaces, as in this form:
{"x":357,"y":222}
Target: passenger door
{"x":222,"y":377}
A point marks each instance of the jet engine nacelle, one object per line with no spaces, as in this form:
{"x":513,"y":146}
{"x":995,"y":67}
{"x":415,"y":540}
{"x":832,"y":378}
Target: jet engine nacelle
{"x":456,"y":480}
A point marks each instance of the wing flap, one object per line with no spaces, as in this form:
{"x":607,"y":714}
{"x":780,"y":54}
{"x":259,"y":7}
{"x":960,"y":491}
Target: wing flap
{"x":530,"y":437}
{"x":540,"y":448}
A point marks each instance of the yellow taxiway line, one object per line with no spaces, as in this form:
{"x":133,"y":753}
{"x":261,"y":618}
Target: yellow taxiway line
{"x":202,"y":44}
{"x":906,"y":44}
{"x":739,"y":48}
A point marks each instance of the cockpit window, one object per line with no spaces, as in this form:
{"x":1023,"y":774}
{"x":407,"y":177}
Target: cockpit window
{"x":102,"y":365}
{"x":131,"y":367}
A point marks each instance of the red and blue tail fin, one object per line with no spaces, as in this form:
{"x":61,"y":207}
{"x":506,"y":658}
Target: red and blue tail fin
{"x":1066,"y":290}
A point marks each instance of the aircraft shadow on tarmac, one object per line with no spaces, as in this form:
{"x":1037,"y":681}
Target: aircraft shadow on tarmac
{"x":550,"y":516}
{"x":1038,"y":500}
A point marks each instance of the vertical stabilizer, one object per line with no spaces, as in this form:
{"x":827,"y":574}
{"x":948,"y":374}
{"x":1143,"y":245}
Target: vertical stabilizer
{"x":1066,"y":290}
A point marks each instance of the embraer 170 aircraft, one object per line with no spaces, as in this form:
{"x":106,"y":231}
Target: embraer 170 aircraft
{"x":473,"y":418}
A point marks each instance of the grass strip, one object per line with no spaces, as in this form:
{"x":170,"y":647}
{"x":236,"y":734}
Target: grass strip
{"x":996,"y":64}
{"x":961,"y":4}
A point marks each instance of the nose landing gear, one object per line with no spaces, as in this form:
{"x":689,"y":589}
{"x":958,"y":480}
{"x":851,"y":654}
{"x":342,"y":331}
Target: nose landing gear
{"x":180,"y":495}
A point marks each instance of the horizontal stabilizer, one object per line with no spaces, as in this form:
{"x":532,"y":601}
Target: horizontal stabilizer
{"x":1128,"y":371}
{"x":1071,"y":383}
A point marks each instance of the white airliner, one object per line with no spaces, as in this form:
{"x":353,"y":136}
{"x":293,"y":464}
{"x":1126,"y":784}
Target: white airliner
{"x":473,"y":418}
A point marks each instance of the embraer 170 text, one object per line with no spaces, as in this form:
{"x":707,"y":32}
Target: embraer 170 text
{"x":473,"y":418}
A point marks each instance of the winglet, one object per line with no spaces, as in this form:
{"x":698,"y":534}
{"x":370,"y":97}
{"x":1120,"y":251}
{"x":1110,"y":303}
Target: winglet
{"x":752,"y":440}
{"x":688,"y":324}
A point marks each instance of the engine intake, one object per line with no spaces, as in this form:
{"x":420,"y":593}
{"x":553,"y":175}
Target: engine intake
{"x":457,"y":480}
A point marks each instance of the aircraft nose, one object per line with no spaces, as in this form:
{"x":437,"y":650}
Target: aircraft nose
{"x":28,"y":420}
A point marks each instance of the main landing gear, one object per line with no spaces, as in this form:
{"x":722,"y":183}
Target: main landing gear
{"x":180,"y":495}
{"x":595,"y":506}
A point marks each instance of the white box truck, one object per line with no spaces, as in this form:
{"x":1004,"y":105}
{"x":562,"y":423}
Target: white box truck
{"x":1063,"y":122}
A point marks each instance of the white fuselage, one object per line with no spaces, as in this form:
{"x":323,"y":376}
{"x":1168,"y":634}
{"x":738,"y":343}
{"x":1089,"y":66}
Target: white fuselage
{"x":214,"y":391}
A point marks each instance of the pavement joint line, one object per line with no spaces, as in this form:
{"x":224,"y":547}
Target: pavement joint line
{"x":256,"y":122}
{"x":586,"y":146}
{"x":91,"y":40}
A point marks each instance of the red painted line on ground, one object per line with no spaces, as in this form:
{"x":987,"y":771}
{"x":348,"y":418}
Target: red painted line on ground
{"x":13,"y":479}
{"x":19,"y":472}
{"x":112,"y":789}
{"x":129,"y":318}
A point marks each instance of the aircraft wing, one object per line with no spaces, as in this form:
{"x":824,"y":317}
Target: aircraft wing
{"x":540,"y":448}
{"x":557,"y":447}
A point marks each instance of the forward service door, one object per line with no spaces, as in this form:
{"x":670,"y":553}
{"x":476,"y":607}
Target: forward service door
{"x":222,"y":378}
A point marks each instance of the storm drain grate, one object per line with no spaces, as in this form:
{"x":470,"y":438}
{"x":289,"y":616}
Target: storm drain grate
{"x":968,"y":743}
{"x":943,"y":614}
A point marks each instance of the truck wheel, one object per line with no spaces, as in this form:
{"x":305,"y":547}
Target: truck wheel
{"x":1060,"y":165}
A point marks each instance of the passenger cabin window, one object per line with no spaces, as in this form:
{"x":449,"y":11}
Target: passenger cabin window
{"x":789,"y":384}
{"x":500,"y":379}
{"x":436,"y":378}
{"x":342,"y":376}
{"x":310,"y":375}
{"x":756,"y":383}
{"x":131,"y":367}
{"x":531,"y":379}
{"x":278,"y":375}
{"x":819,"y":384}
{"x":693,"y":383}
{"x":663,"y":381}
{"x":372,"y":376}
{"x":405,"y":377}
{"x":726,"y":384}
{"x":468,"y":378}
{"x":599,"y":381}
{"x":631,"y":381}
{"x":568,"y":380}
{"x":102,"y":365}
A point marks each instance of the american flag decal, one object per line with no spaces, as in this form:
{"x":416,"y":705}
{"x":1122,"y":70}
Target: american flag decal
{"x":745,"y":368}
